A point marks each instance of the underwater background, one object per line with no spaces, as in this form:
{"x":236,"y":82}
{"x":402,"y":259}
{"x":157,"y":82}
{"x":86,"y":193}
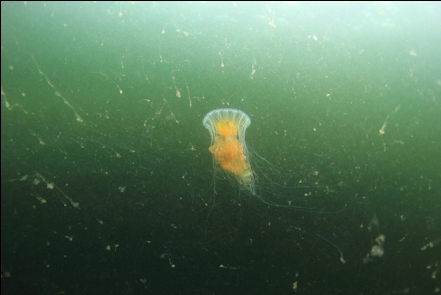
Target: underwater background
{"x":108,"y":186}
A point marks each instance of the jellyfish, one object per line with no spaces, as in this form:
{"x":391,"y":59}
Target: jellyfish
{"x":227,"y":130}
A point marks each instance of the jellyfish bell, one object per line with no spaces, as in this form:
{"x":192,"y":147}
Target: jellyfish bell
{"x":227,"y":130}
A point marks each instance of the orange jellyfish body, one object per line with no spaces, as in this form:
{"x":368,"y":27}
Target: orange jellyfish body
{"x":227,"y":129}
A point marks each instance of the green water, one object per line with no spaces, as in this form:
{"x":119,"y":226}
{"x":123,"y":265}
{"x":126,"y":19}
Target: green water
{"x":344,"y":101}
